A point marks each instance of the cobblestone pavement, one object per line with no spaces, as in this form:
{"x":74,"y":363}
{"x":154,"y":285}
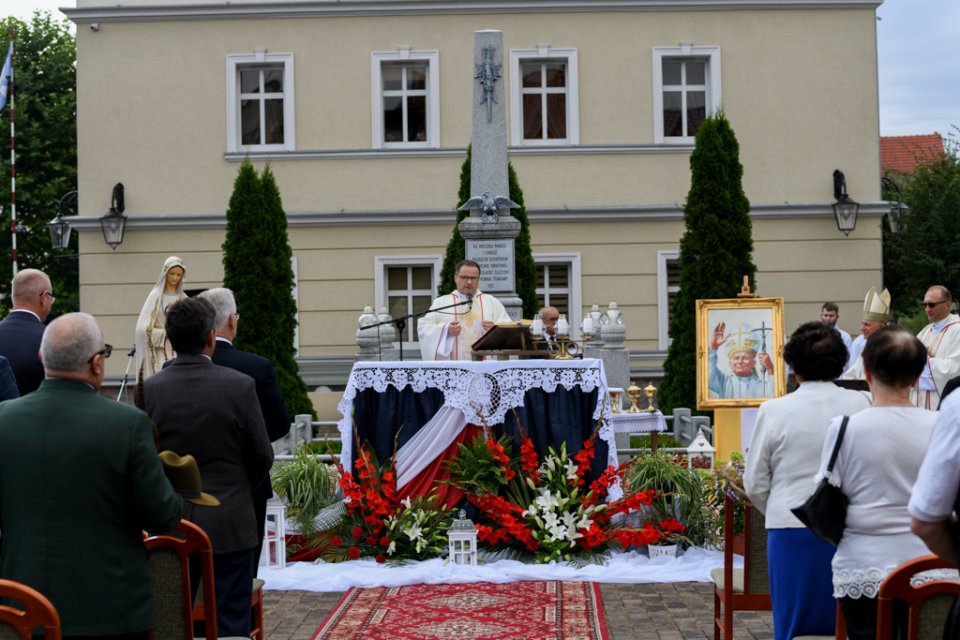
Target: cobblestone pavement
{"x":662,"y":611}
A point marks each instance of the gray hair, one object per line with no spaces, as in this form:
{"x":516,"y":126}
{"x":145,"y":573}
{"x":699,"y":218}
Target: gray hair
{"x":70,"y":341}
{"x":27,"y":285}
{"x":223,"y":303}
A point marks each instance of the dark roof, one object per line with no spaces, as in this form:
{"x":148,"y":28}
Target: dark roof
{"x":901,"y":154}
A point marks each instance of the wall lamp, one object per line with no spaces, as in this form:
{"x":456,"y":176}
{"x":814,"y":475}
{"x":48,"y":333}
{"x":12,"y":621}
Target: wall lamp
{"x":845,"y":209}
{"x":897,"y":209}
{"x":59,"y":227}
{"x":114,"y":222}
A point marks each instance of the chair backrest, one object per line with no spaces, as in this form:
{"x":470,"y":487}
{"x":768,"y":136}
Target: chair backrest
{"x":169,"y":557}
{"x":37,"y":611}
{"x":928,"y":601}
{"x":756,"y":578}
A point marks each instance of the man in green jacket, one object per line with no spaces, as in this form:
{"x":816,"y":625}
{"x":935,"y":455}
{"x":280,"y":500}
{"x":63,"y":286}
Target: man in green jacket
{"x":80,"y":479}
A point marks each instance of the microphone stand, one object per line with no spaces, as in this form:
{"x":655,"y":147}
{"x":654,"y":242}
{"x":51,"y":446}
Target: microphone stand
{"x":126,"y":374}
{"x":401,"y":322}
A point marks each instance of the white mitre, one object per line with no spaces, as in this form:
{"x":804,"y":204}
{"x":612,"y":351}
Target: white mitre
{"x":876,"y":307}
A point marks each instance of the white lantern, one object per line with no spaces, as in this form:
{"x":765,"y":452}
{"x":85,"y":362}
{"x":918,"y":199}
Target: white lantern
{"x":563,"y":328}
{"x":274,"y":551}
{"x":586,"y":326}
{"x":462,"y":537}
{"x":536,"y":327}
{"x":701,"y":448}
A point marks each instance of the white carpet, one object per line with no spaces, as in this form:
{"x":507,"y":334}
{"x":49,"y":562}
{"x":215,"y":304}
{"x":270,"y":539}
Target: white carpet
{"x":629,"y":567}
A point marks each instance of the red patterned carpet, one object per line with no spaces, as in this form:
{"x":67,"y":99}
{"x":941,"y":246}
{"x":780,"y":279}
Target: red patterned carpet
{"x":549,"y":610}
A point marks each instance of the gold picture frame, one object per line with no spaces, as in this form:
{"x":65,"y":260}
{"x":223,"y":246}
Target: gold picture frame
{"x":734,"y":374}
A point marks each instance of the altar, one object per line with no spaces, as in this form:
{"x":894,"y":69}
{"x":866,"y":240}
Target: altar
{"x":420,"y":409}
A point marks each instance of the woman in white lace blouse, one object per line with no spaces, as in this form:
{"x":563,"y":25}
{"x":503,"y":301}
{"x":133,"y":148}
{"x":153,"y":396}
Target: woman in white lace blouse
{"x":878,"y":464}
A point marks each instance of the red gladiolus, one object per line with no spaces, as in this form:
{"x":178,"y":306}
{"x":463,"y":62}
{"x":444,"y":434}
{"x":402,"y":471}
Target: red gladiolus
{"x":353,"y":552}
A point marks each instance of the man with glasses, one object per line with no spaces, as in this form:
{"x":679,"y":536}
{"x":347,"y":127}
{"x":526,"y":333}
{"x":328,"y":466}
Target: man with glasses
{"x":448,"y":333}
{"x":22,"y":329}
{"x":942,"y":339}
{"x":80,"y":480}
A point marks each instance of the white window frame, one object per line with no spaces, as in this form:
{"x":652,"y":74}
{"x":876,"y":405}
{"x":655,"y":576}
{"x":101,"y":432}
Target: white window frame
{"x":663,"y":296}
{"x":404,"y":54}
{"x":713,"y":90}
{"x":543,"y":53}
{"x":235,"y":61}
{"x":574,"y":290}
{"x":380,"y":264}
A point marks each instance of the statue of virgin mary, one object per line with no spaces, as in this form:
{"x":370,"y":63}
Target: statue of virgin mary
{"x":153,"y":348}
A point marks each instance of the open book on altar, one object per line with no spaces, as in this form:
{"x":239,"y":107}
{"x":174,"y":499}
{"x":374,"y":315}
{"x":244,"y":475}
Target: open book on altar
{"x":505,"y":339}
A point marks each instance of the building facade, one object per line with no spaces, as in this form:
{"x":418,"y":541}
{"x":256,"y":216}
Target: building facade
{"x":363,"y":110}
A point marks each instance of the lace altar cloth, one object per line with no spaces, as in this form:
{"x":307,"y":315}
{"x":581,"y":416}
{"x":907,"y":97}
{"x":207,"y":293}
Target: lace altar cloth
{"x":483,"y":391}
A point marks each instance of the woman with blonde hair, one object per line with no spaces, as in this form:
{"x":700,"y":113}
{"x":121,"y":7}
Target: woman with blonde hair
{"x":153,"y":348}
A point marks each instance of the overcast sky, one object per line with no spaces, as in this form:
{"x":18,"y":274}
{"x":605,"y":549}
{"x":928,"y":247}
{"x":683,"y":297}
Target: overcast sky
{"x":919,"y":60}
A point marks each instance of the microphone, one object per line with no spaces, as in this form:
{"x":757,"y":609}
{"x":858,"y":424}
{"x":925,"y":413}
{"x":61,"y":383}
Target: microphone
{"x":469,"y":301}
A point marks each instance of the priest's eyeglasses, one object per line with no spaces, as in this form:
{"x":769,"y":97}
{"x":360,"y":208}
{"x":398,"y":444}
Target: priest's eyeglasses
{"x":105,"y":352}
{"x":931,"y":305}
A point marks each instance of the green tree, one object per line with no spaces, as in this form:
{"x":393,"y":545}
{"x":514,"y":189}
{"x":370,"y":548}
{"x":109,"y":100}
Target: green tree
{"x":926,"y":252}
{"x":45,"y":56}
{"x":715,"y":251}
{"x":256,"y":266}
{"x":526,"y":269}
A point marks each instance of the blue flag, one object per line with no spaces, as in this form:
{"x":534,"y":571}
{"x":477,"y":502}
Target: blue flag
{"x":5,"y":77}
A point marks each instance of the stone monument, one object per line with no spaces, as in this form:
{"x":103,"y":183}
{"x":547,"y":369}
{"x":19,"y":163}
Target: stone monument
{"x":490,"y":231}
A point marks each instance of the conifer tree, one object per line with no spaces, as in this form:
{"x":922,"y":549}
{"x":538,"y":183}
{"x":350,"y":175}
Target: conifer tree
{"x":526,"y":269}
{"x":715,"y":251}
{"x":256,"y":267}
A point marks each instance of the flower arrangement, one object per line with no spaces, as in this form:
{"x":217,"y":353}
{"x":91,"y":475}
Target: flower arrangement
{"x":545,"y":507}
{"x":728,"y":481}
{"x":671,"y":531}
{"x":377,"y":523}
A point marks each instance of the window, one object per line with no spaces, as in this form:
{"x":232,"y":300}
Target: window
{"x":668,"y":285}
{"x":260,"y":102}
{"x":406,"y":99}
{"x":686,"y":89}
{"x":405,"y":285}
{"x":558,"y":285}
{"x":544,"y":96}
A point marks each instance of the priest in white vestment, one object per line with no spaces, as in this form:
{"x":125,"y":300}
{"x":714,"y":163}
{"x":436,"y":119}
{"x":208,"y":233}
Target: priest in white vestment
{"x":942,"y":339}
{"x":448,"y":334}
{"x":876,"y":314}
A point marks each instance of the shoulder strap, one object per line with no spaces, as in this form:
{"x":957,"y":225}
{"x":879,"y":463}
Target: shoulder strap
{"x":836,"y":447}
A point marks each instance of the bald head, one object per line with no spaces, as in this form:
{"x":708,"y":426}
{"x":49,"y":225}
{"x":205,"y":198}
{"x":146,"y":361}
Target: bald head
{"x":549,"y":316}
{"x":69,"y":346}
{"x":31,"y":290}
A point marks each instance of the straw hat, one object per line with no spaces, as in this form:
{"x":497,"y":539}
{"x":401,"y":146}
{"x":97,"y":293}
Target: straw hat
{"x":184,"y":474}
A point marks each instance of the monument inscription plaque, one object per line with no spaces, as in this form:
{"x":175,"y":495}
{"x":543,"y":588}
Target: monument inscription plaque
{"x":495,"y":257}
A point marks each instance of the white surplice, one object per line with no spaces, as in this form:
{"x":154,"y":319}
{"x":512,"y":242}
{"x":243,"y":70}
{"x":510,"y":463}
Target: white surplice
{"x":437,"y":344}
{"x":942,"y":340}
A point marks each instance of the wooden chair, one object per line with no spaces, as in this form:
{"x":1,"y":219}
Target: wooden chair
{"x":928,"y":601}
{"x":37,"y":611}
{"x":839,"y":634}
{"x":256,"y":605}
{"x":746,"y":589}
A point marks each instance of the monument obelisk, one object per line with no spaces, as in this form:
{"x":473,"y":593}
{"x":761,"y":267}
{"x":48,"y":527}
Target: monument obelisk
{"x":490,"y":231}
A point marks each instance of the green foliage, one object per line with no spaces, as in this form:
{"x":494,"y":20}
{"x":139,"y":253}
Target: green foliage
{"x":926,"y":253}
{"x":715,"y":251}
{"x":256,"y":266}
{"x":45,"y":68}
{"x":308,"y":486}
{"x":526,"y":269}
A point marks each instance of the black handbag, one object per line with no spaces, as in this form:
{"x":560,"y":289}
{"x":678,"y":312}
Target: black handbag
{"x":825,"y":511}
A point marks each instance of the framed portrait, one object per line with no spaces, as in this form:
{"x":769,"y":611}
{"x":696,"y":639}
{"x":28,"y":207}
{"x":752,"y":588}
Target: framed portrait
{"x":739,"y":352}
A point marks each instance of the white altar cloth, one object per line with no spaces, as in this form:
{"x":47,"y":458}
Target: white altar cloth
{"x":630,"y":567}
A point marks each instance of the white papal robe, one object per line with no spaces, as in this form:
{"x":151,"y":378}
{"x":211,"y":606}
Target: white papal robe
{"x":436,"y":344}
{"x":942,"y":340}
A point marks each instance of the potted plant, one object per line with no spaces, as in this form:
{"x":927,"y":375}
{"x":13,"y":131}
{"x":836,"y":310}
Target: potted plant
{"x":307,"y":486}
{"x":671,"y":536}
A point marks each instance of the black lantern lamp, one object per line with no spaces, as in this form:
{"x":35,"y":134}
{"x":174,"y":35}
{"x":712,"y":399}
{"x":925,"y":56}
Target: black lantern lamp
{"x":897,"y":209}
{"x":114,"y":222}
{"x":845,"y":208}
{"x":59,"y":227}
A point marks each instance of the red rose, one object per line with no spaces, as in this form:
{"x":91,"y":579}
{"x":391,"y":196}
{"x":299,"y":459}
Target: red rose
{"x":354,"y":553}
{"x":357,"y":532}
{"x":384,"y":541}
{"x":381,"y":559}
{"x":371,"y":541}
{"x":336,"y":542}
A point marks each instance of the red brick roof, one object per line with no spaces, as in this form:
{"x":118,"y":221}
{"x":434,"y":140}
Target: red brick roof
{"x":900,"y":154}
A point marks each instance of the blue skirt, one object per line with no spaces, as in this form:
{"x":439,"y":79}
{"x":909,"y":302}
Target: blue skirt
{"x":801,"y":584}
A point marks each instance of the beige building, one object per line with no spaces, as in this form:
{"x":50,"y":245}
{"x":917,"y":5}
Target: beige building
{"x":363,"y":110}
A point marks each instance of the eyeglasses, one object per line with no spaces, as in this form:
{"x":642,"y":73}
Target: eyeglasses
{"x":930,"y":305}
{"x":469,"y":278}
{"x":549,"y":319}
{"x":105,"y":352}
{"x":49,"y":293}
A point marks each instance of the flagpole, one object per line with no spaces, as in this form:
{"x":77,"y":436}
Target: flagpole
{"x":13,"y":168}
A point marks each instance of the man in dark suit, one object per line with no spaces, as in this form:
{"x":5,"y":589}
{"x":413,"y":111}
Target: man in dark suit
{"x":211,"y":413}
{"x":8,"y":382}
{"x":22,"y":329}
{"x":268,"y":393}
{"x":80,"y":479}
